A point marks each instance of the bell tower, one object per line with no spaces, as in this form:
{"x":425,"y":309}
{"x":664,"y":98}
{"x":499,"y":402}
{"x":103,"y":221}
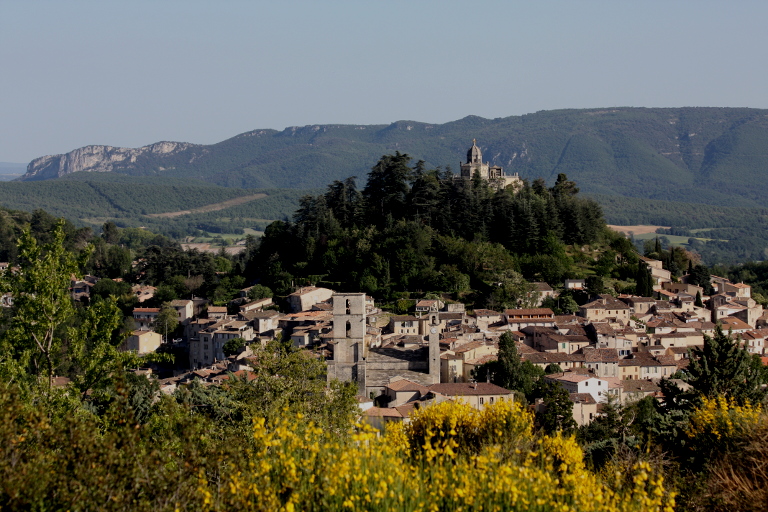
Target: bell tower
{"x":434,"y":348}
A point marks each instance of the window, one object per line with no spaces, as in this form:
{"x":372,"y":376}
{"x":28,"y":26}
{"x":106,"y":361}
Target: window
{"x":491,"y":401}
{"x":481,"y":400}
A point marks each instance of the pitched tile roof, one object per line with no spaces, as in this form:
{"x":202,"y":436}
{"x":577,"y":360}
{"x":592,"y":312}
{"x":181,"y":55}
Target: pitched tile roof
{"x":467,"y":389}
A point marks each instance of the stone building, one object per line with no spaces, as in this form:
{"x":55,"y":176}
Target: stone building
{"x":493,"y":174}
{"x":356,"y":359}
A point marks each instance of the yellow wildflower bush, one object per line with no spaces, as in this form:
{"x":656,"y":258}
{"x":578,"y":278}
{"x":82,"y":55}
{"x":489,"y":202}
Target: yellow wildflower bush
{"x":451,"y":428}
{"x":296,"y":466}
{"x":723,"y":418}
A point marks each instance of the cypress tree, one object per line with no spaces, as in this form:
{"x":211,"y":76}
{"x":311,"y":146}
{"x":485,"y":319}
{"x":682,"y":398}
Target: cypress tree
{"x":644,"y":287}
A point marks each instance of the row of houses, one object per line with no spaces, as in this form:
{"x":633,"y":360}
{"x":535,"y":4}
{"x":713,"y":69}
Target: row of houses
{"x":617,"y":346}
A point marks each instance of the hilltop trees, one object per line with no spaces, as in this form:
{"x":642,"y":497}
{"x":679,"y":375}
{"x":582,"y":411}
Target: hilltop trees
{"x":417,"y":229}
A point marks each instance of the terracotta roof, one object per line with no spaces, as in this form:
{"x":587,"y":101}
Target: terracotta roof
{"x":467,"y":389}
{"x":486,"y":312}
{"x":533,"y":311}
{"x":635,"y":386}
{"x":552,"y":357}
{"x":403,"y":318}
{"x":605,"y":303}
{"x":407,"y":385}
{"x":469,"y":346}
{"x":568,"y":319}
{"x":570,"y":377}
{"x":600,"y":355}
{"x":667,"y":360}
{"x":482,"y":360}
{"x":383,"y":412}
{"x":569,"y":338}
{"x":730,"y":322}
{"x":304,"y":290}
{"x":582,"y":398}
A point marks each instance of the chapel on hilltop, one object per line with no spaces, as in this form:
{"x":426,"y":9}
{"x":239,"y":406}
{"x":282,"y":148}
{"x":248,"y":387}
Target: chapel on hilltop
{"x":493,"y":174}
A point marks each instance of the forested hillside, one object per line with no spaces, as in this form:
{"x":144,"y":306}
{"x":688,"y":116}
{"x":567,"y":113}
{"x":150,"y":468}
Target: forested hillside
{"x":720,"y":234}
{"x":91,"y":199}
{"x":701,"y":155}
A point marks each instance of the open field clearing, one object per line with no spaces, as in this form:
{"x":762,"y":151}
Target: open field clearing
{"x":210,"y":207}
{"x":636,"y":230}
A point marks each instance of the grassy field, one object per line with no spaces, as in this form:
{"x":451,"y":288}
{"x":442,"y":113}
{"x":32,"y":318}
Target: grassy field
{"x":636,"y":230}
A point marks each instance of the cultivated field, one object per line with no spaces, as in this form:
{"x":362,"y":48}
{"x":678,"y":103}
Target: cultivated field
{"x":211,"y":207}
{"x":636,"y":230}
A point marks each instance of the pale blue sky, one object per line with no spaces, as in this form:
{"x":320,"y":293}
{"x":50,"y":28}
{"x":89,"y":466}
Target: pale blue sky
{"x":129,"y":73}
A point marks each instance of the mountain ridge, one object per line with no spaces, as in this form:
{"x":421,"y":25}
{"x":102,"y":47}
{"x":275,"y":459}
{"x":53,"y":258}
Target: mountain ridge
{"x":693,"y":154}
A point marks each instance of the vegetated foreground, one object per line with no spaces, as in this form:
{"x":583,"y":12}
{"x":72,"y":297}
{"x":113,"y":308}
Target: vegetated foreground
{"x":450,"y":457}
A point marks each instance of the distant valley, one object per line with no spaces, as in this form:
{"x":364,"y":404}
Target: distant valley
{"x":11,"y":171}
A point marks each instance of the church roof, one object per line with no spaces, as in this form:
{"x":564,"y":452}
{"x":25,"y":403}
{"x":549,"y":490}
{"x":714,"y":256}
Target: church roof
{"x":474,"y":154}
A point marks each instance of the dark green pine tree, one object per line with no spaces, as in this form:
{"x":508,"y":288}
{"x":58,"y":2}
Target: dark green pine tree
{"x":387,"y":189}
{"x":557,"y":415}
{"x":723,"y":368}
{"x":510,"y":371}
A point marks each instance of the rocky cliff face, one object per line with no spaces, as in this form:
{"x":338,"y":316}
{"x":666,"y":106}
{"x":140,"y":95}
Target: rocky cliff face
{"x":96,"y":159}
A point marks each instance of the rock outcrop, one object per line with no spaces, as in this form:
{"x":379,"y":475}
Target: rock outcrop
{"x":96,"y":159}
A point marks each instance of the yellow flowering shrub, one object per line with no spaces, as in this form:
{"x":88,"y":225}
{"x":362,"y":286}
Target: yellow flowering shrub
{"x":721,"y":419}
{"x":461,"y":462}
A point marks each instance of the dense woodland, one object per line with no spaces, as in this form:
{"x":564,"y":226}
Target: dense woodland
{"x":91,"y":199}
{"x":420,"y":230}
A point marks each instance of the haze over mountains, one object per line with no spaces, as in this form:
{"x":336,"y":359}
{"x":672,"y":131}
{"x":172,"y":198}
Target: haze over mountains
{"x":709,"y":155}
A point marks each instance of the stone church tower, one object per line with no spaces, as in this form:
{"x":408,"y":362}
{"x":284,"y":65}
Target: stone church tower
{"x":349,"y":328}
{"x":372,"y":368}
{"x":494,"y":175}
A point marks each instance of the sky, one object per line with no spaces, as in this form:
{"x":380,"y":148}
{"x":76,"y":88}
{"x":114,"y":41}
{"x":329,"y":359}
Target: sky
{"x":130,"y":73}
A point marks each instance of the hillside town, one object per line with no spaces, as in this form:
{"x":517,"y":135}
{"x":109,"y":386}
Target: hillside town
{"x":613,"y":348}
